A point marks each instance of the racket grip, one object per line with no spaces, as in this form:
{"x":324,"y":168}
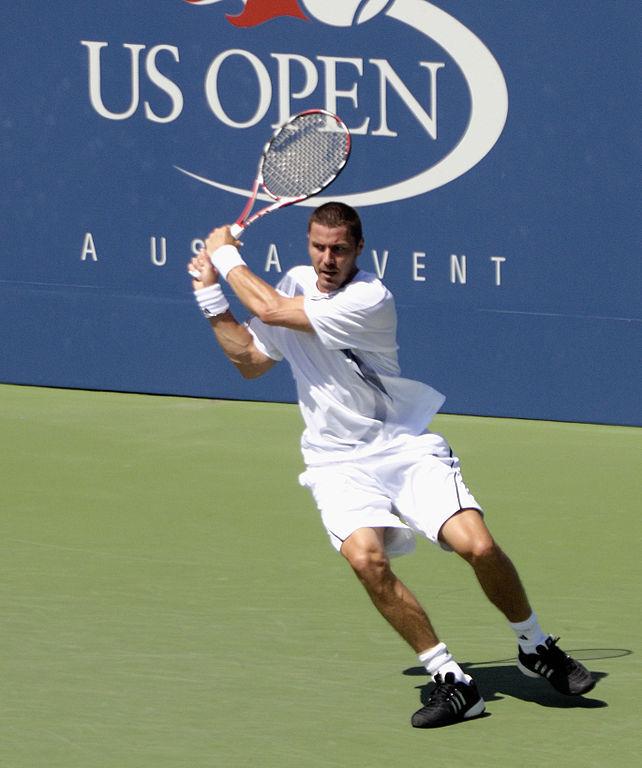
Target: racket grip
{"x":236,"y":230}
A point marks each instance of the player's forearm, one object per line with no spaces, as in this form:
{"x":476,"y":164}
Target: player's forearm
{"x":260,"y":298}
{"x":257,"y":296}
{"x":264,"y":302}
{"x":236,"y":342}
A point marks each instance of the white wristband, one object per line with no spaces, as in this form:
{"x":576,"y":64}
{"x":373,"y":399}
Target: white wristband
{"x":225,"y":258}
{"x":211,"y":300}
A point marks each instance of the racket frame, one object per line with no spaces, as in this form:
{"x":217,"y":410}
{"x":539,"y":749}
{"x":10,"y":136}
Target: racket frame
{"x":281,"y":202}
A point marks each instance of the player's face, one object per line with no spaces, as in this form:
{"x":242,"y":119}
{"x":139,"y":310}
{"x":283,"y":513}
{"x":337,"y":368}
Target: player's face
{"x":334,"y":254}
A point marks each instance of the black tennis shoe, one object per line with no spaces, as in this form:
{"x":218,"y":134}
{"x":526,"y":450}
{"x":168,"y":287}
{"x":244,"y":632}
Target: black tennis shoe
{"x":550,"y":662}
{"x":449,"y":703}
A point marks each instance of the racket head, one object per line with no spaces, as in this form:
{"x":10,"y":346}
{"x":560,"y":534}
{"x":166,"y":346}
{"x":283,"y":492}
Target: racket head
{"x":304,"y":156}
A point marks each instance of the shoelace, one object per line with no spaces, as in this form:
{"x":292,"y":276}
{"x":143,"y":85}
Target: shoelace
{"x":448,"y":693}
{"x":555,"y":657}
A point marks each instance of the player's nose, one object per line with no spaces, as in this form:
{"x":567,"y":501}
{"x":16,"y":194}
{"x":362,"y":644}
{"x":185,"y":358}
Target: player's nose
{"x":328,"y":256}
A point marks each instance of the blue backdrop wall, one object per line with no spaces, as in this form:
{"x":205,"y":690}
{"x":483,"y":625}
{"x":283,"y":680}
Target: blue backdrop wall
{"x":495,"y":164}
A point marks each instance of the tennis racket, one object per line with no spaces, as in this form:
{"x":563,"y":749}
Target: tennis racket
{"x":302,"y":158}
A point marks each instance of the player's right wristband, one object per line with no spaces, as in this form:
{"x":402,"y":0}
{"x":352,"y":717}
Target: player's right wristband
{"x":211,"y":300}
{"x":225,"y":258}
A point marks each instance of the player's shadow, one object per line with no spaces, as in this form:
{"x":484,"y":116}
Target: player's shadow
{"x":498,"y":679}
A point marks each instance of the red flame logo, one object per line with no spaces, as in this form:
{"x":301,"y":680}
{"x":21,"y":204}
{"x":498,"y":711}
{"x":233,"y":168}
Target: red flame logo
{"x":258,"y":11}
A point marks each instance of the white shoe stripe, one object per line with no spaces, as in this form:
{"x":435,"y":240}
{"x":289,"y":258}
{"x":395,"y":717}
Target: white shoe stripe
{"x":457,"y":701}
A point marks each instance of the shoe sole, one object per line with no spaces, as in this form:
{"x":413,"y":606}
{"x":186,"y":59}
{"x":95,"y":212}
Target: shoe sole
{"x":475,"y":710}
{"x":528,"y":672}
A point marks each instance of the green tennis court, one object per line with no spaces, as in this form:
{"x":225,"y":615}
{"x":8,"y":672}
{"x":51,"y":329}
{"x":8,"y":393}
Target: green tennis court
{"x":169,"y":597}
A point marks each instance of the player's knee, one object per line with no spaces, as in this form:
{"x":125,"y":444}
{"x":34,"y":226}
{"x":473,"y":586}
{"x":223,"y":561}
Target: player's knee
{"x":371,"y":565}
{"x":481,"y":550}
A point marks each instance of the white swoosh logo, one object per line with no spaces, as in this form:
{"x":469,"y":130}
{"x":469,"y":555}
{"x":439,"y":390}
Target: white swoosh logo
{"x":205,"y":2}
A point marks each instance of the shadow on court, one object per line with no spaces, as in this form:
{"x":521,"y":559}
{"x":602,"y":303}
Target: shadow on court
{"x":499,"y":679}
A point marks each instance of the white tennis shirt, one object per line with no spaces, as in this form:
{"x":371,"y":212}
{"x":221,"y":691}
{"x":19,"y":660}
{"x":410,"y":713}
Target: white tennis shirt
{"x":351,"y":396}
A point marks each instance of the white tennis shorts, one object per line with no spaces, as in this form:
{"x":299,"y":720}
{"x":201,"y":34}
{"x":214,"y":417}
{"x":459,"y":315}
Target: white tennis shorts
{"x":411,"y":488}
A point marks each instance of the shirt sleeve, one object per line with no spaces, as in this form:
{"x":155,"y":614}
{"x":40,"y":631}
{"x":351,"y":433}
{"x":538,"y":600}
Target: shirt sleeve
{"x":362,"y":316}
{"x":264,"y":338}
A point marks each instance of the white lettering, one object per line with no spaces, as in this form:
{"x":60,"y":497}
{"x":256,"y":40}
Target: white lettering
{"x":417,"y":265}
{"x":165,"y":84}
{"x":272,"y":259}
{"x":457,"y":268}
{"x":88,"y":248}
{"x":95,"y":91}
{"x":284,"y":81}
{"x":387,"y":75}
{"x":297,"y":78}
{"x":161,"y":81}
{"x":499,"y":260}
{"x":380,"y":266}
{"x":263,"y":80}
{"x":159,"y":259}
{"x":331,"y":91}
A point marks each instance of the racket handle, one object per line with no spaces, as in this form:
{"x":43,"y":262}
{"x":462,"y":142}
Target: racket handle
{"x":235,"y":231}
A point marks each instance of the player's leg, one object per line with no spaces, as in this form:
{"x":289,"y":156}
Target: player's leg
{"x":365,"y":551}
{"x":467,"y":534}
{"x":361,"y":525}
{"x":433,"y":499}
{"x":455,"y":696}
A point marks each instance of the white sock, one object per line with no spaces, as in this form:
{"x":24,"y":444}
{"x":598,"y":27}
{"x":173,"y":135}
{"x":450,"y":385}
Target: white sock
{"x":529,"y":633}
{"x":438,"y":660}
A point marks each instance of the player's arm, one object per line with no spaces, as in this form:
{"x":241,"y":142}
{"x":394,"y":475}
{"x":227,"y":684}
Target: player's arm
{"x":260,"y":298}
{"x":234,"y":339}
{"x":237,"y":343}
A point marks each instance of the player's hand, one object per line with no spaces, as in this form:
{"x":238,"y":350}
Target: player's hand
{"x":201,"y":265}
{"x":220,"y":236}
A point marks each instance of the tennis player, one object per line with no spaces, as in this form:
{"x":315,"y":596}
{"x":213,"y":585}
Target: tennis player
{"x":378,"y":476}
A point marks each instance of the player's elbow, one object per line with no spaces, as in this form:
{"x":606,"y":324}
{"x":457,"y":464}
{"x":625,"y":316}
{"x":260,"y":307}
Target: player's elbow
{"x":249,"y":371}
{"x":251,"y":368}
{"x":269,"y":314}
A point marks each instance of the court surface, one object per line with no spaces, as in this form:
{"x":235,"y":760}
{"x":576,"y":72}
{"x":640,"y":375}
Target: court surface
{"x":169,"y":597}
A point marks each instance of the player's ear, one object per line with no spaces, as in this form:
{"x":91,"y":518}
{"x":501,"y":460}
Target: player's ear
{"x":360,"y":245}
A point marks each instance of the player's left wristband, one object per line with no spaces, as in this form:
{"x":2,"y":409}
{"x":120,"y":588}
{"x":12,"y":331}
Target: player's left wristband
{"x":211,"y":300}
{"x":225,"y":258}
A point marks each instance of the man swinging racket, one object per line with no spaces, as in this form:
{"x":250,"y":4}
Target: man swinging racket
{"x":377,"y":476}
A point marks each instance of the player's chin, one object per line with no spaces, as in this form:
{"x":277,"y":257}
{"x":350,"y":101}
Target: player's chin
{"x":328,"y":281}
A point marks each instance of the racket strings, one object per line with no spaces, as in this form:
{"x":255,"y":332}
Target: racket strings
{"x":305,"y":156}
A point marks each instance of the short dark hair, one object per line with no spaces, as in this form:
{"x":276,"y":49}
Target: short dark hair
{"x":338,"y":215}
